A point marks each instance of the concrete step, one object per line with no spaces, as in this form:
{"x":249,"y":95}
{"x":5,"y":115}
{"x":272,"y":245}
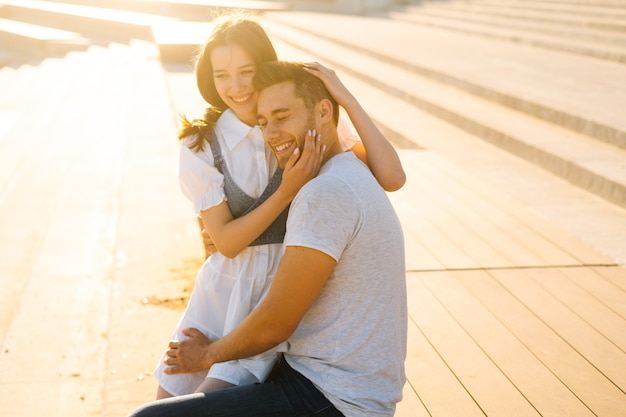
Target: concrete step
{"x":36,"y":162}
{"x":602,"y":3}
{"x":53,"y":85}
{"x":93,"y":162}
{"x":189,"y":10}
{"x":10,"y":81}
{"x":49,"y":26}
{"x":589,"y":10}
{"x":7,"y":121}
{"x":611,"y":20}
{"x":541,"y":83}
{"x":88,"y":20}
{"x":39,"y":39}
{"x":439,"y":12}
{"x":179,"y":41}
{"x":560,"y":41}
{"x":11,"y":57}
{"x":39,"y":80}
{"x":556,"y":149}
{"x":8,"y":75}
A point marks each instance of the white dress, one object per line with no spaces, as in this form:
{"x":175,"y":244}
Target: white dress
{"x":227,"y":289}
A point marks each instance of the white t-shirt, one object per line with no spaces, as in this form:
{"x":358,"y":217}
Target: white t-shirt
{"x":352,"y":342}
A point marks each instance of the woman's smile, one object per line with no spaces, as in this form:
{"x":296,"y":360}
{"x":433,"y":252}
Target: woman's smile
{"x":242,"y":99}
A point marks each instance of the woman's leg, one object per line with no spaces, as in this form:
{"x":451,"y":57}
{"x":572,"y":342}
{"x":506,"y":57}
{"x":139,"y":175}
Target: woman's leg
{"x":162,"y":393}
{"x":213,"y":384}
{"x":205,"y":311}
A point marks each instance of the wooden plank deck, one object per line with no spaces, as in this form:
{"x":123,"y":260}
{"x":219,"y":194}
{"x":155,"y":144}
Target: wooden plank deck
{"x":508,"y":315}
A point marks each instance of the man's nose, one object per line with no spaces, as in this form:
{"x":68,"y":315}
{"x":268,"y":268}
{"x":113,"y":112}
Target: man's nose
{"x":270,"y":132}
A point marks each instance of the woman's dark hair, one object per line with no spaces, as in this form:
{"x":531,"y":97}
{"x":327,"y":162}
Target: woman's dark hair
{"x":238,"y":29}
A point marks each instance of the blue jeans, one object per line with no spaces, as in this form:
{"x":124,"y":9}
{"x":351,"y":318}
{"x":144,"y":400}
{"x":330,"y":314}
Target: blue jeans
{"x":286,"y":393}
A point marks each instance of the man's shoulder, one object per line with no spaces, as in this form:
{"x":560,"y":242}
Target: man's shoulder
{"x":323,"y":186}
{"x":343,"y":176}
{"x":334,"y":176}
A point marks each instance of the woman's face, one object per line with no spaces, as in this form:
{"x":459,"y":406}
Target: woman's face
{"x":233,"y":70}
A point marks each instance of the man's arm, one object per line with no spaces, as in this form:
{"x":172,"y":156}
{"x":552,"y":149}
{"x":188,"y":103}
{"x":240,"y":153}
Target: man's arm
{"x":300,"y":278}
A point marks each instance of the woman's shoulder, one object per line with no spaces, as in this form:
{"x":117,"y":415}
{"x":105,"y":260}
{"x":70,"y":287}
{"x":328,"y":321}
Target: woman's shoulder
{"x":347,"y":134}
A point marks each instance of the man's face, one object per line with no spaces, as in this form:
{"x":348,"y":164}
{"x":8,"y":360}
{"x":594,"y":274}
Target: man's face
{"x":284,"y":120}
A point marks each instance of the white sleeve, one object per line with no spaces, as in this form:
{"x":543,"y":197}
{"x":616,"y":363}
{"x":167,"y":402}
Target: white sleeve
{"x":199,"y":180}
{"x":347,"y":135}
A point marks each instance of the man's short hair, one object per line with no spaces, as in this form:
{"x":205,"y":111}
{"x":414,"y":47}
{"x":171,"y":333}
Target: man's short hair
{"x":307,"y":86}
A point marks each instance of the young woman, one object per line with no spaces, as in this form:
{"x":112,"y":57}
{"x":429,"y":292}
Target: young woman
{"x":233,"y":181}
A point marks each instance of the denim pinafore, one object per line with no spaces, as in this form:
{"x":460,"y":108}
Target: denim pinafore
{"x":240,"y":203}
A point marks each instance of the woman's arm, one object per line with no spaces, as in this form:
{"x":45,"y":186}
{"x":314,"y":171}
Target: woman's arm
{"x":375,"y":150}
{"x":232,"y":235}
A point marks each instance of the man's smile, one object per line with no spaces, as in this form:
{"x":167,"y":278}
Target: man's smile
{"x":283,"y":146}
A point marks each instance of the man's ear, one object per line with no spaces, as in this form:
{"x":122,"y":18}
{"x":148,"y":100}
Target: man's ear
{"x":325,"y":108}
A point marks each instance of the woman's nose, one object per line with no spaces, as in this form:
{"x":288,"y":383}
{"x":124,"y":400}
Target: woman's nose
{"x":236,"y":83}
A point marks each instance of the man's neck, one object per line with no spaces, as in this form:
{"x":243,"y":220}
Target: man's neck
{"x":333,"y":147}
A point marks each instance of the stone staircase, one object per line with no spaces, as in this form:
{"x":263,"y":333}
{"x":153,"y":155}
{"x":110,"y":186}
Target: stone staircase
{"x":56,"y":27}
{"x":557,"y":106}
{"x":543,"y":81}
{"x":596,"y":29}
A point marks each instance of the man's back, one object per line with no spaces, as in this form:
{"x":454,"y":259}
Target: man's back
{"x":352,"y":342}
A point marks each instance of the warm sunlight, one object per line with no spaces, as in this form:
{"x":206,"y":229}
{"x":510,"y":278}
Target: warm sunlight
{"x":504,"y":120}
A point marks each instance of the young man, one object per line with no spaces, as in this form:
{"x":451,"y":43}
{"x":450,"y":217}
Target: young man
{"x":339,"y":295}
